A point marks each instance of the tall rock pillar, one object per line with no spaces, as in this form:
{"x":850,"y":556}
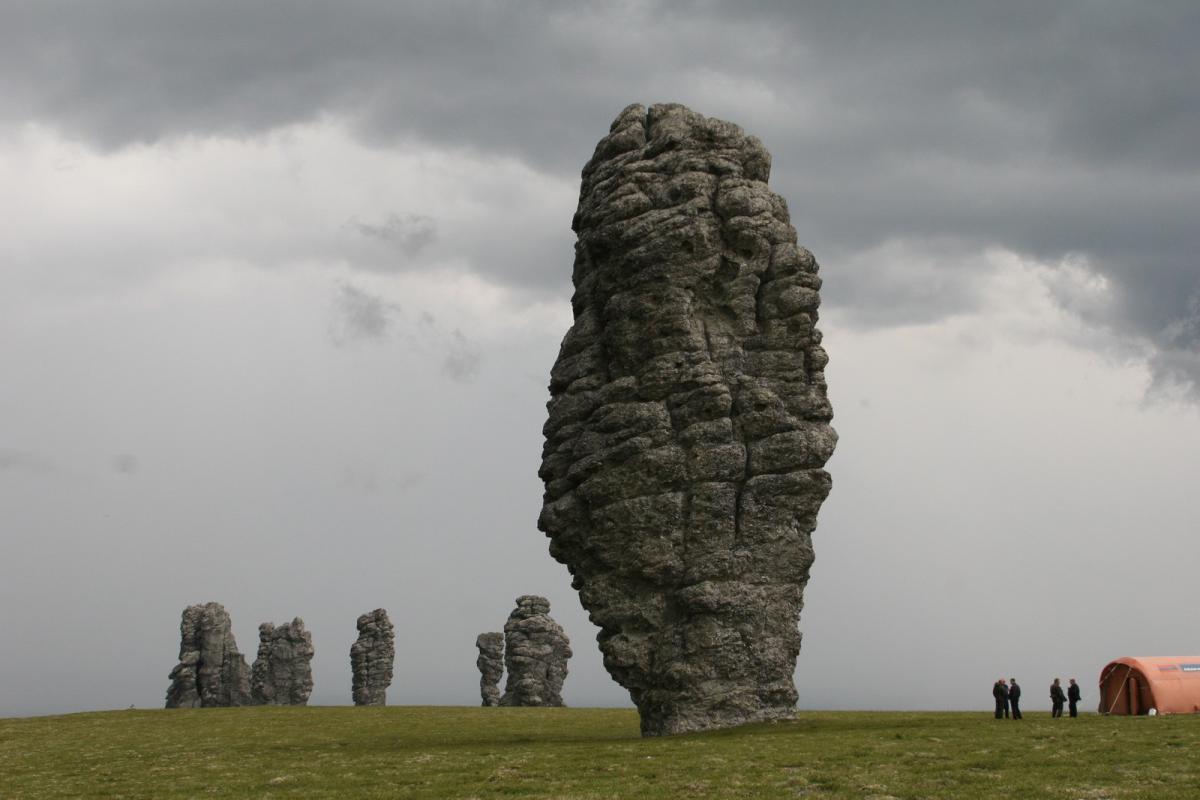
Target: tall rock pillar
{"x":688,"y":421}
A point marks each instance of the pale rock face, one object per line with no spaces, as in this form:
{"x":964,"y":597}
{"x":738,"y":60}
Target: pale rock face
{"x":372,"y":657}
{"x":535,"y":654}
{"x":282,"y":672}
{"x":688,"y":421}
{"x":211,"y":672}
{"x":491,"y":666}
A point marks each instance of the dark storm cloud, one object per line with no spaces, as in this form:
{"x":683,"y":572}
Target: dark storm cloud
{"x":1046,"y":129}
{"x":1177,"y":362}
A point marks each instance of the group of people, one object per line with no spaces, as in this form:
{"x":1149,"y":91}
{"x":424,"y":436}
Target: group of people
{"x":1008,"y":698}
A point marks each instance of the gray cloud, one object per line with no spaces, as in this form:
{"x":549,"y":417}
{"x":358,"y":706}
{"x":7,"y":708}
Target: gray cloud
{"x":369,"y":480}
{"x":12,"y":460}
{"x":908,"y":282}
{"x":410,"y":481}
{"x":126,"y":464}
{"x":1177,"y":362}
{"x":1047,"y":129}
{"x":408,"y":234}
{"x":463,"y":358}
{"x":359,"y":315}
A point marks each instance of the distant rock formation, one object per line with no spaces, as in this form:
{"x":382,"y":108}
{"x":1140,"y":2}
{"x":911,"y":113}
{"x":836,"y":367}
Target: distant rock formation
{"x":535,"y":653}
{"x":282,"y":672}
{"x":688,"y":421}
{"x":211,"y":671}
{"x":491,"y":666}
{"x":371,"y":659}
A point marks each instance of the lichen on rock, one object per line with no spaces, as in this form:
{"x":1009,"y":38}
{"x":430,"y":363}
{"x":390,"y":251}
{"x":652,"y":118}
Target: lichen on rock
{"x":688,"y":422}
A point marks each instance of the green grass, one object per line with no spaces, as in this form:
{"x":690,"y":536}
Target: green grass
{"x":590,"y":753}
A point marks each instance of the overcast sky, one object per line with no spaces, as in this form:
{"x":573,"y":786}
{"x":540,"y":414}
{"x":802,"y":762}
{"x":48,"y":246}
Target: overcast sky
{"x":281,"y":286}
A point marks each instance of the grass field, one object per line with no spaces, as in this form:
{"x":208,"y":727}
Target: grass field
{"x":403,"y":752}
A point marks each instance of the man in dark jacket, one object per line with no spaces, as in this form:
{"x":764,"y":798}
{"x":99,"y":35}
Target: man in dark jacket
{"x":1056,"y":698}
{"x":1073,"y":698}
{"x":1014,"y":698}
{"x":1000,"y":693}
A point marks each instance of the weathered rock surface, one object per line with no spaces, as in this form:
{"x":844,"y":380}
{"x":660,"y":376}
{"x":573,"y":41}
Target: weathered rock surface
{"x":535,"y":653}
{"x":371,"y":659}
{"x":491,"y":666}
{"x":688,"y":421}
{"x":211,"y":671}
{"x":282,"y":672}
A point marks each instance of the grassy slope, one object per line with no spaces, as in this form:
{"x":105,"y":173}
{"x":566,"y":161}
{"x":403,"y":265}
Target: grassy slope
{"x":590,"y":753}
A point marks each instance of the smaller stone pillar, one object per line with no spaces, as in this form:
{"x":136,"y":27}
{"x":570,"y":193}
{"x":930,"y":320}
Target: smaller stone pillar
{"x":371,"y":659}
{"x":282,"y":672}
{"x":491,"y":666}
{"x":535,"y":654}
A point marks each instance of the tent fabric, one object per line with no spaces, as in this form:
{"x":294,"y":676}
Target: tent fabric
{"x":1136,"y":684}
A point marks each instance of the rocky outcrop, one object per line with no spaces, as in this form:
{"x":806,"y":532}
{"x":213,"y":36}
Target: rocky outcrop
{"x":688,"y":421}
{"x":535,"y":654}
{"x":211,"y":671}
{"x":371,"y":659}
{"x":491,"y":666}
{"x":282,"y":672}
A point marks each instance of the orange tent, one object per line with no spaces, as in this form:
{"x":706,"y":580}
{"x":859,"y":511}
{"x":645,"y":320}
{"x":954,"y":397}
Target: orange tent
{"x":1167,"y":684}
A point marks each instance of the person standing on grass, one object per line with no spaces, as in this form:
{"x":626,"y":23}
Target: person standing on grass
{"x":1056,"y":698}
{"x":1014,"y":698}
{"x":1073,"y":696}
{"x":1000,"y":693}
